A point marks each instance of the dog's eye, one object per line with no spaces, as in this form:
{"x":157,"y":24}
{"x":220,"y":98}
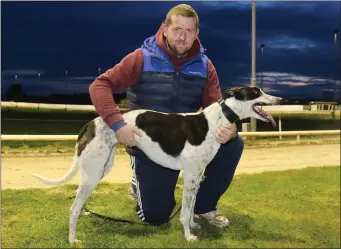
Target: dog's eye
{"x":249,"y":95}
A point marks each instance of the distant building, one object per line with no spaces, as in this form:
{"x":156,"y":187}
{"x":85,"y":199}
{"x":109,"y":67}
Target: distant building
{"x":323,"y":106}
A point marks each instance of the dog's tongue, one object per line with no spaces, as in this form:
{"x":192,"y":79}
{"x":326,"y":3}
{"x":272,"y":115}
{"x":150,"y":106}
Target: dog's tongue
{"x":271,"y":119}
{"x":267,"y":116}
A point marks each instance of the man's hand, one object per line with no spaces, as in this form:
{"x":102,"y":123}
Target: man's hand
{"x":125,"y":135}
{"x":226,"y":132}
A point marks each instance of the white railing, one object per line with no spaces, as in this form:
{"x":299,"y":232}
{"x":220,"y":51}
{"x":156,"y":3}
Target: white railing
{"x":41,"y":106}
{"x":278,"y":109}
{"x":275,"y":109}
{"x":38,"y":137}
{"x":298,"y":135}
{"x":44,"y":106}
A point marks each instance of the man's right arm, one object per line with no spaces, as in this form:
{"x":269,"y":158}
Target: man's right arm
{"x":115,"y":80}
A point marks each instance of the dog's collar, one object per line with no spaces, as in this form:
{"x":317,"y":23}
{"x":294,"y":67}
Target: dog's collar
{"x":228,"y":112}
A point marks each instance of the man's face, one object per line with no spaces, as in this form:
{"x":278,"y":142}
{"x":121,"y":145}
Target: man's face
{"x":181,"y":34}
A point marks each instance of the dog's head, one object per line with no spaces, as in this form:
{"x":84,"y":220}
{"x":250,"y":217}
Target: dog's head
{"x":245,"y":102}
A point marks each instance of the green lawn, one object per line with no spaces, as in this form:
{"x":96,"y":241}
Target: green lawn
{"x":295,"y":208}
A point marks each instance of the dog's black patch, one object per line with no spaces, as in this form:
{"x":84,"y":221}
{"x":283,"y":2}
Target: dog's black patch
{"x":243,"y":93}
{"x":172,"y":131}
{"x":86,"y":134}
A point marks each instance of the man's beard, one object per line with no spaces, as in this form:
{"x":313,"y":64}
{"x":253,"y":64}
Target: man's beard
{"x":173,"y":50}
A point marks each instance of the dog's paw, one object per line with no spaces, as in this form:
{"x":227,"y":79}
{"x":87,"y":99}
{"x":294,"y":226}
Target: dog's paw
{"x":195,"y":225}
{"x":75,"y":241}
{"x":191,"y":238}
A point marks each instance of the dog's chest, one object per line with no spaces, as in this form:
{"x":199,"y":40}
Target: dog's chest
{"x":203,"y":154}
{"x":172,"y":131}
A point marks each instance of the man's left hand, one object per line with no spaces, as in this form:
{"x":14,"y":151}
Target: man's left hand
{"x":226,"y":132}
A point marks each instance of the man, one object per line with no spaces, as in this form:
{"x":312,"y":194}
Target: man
{"x":170,"y":73}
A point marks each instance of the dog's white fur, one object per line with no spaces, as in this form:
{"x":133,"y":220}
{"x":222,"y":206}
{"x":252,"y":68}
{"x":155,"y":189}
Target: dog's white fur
{"x":97,"y":158}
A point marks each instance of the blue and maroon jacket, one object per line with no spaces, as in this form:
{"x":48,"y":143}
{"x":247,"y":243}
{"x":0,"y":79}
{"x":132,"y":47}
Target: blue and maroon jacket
{"x":162,"y":88}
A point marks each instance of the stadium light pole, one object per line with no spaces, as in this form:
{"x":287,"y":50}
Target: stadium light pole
{"x":253,"y":55}
{"x":335,"y":33}
{"x":66,"y":76}
{"x":262,"y":46}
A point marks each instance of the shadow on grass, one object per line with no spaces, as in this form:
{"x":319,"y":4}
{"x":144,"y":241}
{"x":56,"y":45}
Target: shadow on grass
{"x":136,"y":229}
{"x":242,"y":228}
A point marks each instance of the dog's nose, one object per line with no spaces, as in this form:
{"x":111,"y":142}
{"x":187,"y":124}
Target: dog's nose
{"x":280,"y":101}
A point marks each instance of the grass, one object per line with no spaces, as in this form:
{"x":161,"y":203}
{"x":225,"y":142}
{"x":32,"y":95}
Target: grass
{"x":289,"y":209}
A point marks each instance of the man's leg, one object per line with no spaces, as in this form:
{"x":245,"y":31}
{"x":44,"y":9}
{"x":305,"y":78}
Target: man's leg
{"x":154,"y":186}
{"x":218,"y":176}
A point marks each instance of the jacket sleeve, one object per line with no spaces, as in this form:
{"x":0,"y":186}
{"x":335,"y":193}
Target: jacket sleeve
{"x":212,"y":91}
{"x":115,"y":80}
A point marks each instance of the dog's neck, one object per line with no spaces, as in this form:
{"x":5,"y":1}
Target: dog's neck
{"x":223,"y":112}
{"x":215,"y":115}
{"x":228,"y":112}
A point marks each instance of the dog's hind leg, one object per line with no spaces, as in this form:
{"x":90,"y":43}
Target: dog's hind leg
{"x":83,"y":194}
{"x":93,"y":169}
{"x":107,"y":167}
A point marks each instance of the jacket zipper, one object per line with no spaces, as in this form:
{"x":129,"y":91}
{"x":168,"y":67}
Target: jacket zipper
{"x":176,"y":78}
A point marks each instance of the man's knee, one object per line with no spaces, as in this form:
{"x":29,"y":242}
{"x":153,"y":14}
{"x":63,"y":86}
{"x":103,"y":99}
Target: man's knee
{"x":239,"y":142}
{"x":158,"y":217}
{"x":230,"y":153}
{"x":235,"y":146}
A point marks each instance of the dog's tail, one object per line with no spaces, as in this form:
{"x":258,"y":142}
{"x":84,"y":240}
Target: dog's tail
{"x":67,"y":177}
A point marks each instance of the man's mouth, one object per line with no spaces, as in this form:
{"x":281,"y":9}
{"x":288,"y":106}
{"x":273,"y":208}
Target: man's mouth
{"x":264,"y":114}
{"x":180,"y":44}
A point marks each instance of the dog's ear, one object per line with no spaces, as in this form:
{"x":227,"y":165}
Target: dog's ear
{"x":228,"y":94}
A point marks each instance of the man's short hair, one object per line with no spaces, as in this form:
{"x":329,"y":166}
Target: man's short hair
{"x":184,"y":10}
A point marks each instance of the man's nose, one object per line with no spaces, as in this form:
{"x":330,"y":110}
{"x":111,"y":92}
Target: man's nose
{"x":182,"y":36}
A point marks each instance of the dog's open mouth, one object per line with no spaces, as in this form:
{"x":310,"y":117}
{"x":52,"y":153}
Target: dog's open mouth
{"x":264,"y":114}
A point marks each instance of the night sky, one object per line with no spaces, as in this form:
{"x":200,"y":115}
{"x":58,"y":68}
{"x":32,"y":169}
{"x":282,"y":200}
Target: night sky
{"x":300,"y":58}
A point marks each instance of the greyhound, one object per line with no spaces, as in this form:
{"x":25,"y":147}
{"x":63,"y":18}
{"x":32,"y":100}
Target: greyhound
{"x":187,"y":144}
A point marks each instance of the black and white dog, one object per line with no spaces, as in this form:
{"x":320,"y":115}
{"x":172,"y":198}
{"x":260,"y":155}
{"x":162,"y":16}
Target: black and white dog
{"x":189,"y":145}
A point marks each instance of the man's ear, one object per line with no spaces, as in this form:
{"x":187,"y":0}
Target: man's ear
{"x":165,"y":29}
{"x":197,"y":32}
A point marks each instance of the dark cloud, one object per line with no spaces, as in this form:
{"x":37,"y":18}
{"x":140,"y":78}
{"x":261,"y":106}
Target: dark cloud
{"x":83,"y":36}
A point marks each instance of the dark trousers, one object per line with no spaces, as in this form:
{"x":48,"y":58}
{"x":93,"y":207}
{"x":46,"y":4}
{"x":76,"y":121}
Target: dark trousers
{"x":155,"y":185}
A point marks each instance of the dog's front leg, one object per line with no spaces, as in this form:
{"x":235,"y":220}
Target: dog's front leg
{"x":188,"y":198}
{"x":192,"y":223}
